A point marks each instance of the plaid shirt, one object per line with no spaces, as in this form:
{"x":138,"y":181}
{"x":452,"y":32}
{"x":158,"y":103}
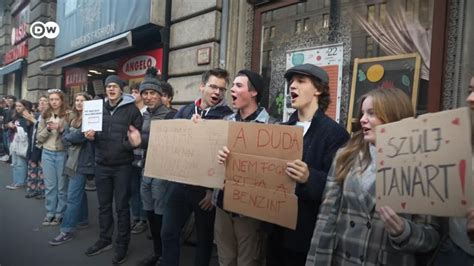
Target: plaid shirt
{"x":349,"y":231}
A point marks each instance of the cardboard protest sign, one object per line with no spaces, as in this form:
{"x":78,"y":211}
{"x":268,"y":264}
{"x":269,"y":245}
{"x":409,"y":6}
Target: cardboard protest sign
{"x":256,"y":184}
{"x":424,"y":164}
{"x":92,"y":115}
{"x":185,"y":152}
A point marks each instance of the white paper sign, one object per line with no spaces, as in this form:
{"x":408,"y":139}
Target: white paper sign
{"x":92,"y":115}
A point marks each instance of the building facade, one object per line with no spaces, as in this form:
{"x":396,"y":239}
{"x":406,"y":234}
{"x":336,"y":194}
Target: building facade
{"x":183,"y":38}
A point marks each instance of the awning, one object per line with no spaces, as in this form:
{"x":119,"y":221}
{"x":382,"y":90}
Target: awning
{"x":13,"y":66}
{"x":113,"y":44}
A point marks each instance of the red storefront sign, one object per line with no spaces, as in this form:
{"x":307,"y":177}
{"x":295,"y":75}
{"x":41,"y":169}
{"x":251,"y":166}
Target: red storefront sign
{"x":18,"y":51}
{"x":135,"y":66}
{"x":19,"y":34}
{"x":75,"y":77}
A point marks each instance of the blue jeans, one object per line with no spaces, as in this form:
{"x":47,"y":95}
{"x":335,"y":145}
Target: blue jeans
{"x":55,"y":182}
{"x":451,"y":254}
{"x":6,"y":141}
{"x":182,"y":201}
{"x":19,"y":169}
{"x":136,"y":205}
{"x":77,"y":210}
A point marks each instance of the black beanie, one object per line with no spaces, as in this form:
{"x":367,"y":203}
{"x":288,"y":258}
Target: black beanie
{"x":151,"y":81}
{"x":256,"y":80}
{"x":115,"y":79}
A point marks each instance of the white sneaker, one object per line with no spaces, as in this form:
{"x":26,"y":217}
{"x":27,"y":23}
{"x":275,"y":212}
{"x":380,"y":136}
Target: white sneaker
{"x":5,"y":158}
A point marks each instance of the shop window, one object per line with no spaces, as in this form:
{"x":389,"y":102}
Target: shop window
{"x":272,"y":32}
{"x":301,"y":8}
{"x":409,"y":5}
{"x":298,"y":26}
{"x":370,"y":12}
{"x":306,"y":24}
{"x":266,"y":34}
{"x":326,"y":20}
{"x":383,"y":12}
{"x":465,"y":69}
{"x":369,"y":47}
{"x":365,"y":39}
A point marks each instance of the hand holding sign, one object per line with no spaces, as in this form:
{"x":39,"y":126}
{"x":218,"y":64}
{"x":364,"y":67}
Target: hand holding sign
{"x":90,"y":134}
{"x":298,"y":171}
{"x":206,"y":202}
{"x":196,"y":118}
{"x":393,"y":223}
{"x":222,"y":155}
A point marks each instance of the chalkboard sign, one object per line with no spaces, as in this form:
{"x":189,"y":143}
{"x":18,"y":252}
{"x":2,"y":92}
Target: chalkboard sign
{"x":400,"y":71}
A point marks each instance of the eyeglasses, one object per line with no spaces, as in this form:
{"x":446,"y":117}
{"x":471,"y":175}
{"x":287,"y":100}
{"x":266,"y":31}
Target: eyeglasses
{"x":55,"y":91}
{"x":215,"y":87}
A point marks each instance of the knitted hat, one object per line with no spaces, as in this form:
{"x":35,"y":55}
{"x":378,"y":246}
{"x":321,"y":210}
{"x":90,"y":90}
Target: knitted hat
{"x":151,"y":81}
{"x":256,"y":80}
{"x":115,"y":79}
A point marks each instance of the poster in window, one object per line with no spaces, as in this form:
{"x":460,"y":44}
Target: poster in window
{"x":329,"y":58}
{"x":399,"y":71}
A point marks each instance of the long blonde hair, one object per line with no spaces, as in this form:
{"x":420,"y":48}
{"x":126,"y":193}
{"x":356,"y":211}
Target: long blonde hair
{"x":63,"y":109}
{"x":390,"y":105}
{"x":76,"y":117}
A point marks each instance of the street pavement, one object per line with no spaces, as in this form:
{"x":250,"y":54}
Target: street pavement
{"x":24,"y":241}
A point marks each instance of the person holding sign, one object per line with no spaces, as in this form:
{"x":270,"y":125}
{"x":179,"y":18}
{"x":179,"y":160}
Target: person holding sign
{"x":309,"y":90}
{"x":152,"y":190}
{"x":458,"y":247}
{"x":238,"y":238}
{"x":349,"y":229}
{"x":113,"y":157}
{"x":186,"y":199}
{"x":79,"y":164}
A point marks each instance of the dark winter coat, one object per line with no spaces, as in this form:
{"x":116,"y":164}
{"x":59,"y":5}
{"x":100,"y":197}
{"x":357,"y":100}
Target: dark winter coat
{"x":112,"y":144}
{"x":320,"y":143}
{"x":219,"y":111}
{"x":160,"y":113}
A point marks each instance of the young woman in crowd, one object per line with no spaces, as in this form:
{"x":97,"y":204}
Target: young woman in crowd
{"x":19,"y":146}
{"x":53,"y":157}
{"x":79,"y":164}
{"x":349,"y":229}
{"x":35,"y":181}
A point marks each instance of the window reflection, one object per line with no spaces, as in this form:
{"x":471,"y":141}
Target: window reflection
{"x":366,"y":27}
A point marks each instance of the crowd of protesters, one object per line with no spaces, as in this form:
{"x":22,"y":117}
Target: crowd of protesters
{"x":337,"y":220}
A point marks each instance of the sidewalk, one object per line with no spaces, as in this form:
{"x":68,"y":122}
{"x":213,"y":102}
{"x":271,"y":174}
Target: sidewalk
{"x":24,"y":241}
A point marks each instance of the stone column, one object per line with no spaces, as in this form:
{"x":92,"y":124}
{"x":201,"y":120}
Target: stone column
{"x":40,"y":52}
